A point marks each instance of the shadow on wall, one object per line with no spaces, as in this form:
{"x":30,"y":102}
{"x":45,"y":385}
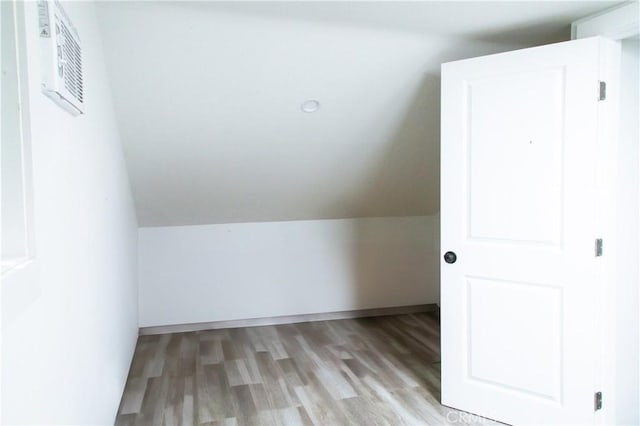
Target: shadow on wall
{"x":399,"y":258}
{"x":413,"y":151}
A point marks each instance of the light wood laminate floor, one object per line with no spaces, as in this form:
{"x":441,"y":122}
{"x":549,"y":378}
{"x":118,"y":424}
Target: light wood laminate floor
{"x":369,"y":371}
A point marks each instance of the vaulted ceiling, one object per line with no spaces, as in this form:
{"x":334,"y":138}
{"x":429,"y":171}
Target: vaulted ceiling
{"x":208,"y":98}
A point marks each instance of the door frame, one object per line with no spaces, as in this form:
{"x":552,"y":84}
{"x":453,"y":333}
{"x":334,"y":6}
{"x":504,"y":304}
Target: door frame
{"x":617,"y":23}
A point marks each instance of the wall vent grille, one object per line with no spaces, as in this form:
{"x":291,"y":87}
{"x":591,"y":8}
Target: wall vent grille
{"x":71,"y":63}
{"x":63,"y":79}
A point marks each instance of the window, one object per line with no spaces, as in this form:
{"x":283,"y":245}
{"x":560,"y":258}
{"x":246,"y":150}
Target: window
{"x":17,"y":241}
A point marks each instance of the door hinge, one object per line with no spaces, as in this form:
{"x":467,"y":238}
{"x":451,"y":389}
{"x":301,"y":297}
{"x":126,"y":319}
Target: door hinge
{"x":597,"y":401}
{"x":602,"y":92}
{"x":598,"y":247}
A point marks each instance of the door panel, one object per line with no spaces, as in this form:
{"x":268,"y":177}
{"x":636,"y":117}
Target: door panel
{"x":519,"y":167}
{"x":527,"y":139}
{"x":494,"y":342}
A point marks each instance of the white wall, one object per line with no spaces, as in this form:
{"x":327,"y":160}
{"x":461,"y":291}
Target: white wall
{"x":627,"y":307}
{"x":205,"y":273}
{"x":69,"y":319}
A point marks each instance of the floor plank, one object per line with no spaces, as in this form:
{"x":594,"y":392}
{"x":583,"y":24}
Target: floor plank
{"x":366,"y":371}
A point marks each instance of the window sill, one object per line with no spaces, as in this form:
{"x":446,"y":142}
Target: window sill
{"x":12,"y":264}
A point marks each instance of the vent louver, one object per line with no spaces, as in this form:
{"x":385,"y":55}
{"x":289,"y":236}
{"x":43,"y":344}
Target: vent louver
{"x":71,"y":63}
{"x":62,"y":57}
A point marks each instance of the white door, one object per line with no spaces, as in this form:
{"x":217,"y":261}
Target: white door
{"x":521,"y":142}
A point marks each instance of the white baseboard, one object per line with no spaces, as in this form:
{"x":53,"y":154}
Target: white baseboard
{"x":288,"y":319}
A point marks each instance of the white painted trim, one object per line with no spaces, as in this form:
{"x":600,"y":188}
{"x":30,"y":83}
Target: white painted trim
{"x":10,"y":265}
{"x":13,"y":264}
{"x":288,"y":319}
{"x":616,"y":23}
{"x":1,"y":325}
{"x":608,"y":113}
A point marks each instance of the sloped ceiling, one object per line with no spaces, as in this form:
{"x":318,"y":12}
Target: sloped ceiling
{"x":208,"y":99}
